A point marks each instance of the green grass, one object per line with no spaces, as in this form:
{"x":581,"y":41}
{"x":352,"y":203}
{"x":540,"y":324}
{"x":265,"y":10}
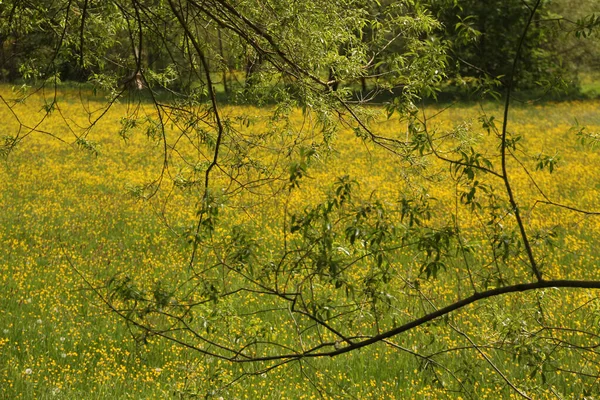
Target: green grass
{"x":590,"y":84}
{"x":65,"y":212}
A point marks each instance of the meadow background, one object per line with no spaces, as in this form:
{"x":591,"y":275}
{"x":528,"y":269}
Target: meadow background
{"x":63,"y":206}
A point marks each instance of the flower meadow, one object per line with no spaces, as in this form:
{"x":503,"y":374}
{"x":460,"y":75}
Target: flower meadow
{"x":76,"y":213}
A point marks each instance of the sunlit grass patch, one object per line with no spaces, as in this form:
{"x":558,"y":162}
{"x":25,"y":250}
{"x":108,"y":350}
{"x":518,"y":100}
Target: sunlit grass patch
{"x":66,"y":206}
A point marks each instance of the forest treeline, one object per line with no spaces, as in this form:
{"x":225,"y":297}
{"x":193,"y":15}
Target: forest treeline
{"x":87,"y":40}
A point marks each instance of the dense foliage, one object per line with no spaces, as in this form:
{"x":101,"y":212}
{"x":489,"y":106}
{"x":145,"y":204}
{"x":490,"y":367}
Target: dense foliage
{"x":485,"y":37}
{"x":86,"y":40}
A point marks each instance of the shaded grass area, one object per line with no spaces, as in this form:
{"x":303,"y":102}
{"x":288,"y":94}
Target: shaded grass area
{"x":587,"y":87}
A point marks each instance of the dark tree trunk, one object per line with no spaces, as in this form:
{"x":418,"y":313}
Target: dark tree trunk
{"x":333,"y":82}
{"x":252,"y":66}
{"x":222,"y":54}
{"x":133,"y":81}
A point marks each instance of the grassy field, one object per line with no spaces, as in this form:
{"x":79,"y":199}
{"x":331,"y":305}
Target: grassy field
{"x":63,"y":205}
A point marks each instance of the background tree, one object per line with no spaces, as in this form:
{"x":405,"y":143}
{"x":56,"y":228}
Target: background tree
{"x":573,"y":48}
{"x":483,"y":39}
